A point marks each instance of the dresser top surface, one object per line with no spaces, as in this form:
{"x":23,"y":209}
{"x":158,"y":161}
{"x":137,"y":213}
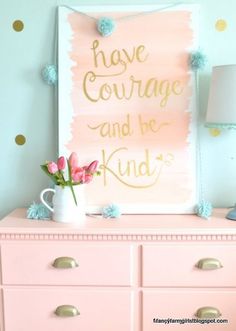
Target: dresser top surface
{"x":16,"y":222}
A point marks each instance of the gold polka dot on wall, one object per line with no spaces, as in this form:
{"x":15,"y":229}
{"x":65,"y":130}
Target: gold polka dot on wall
{"x":18,"y":25}
{"x":221,"y":25}
{"x":214,"y":132}
{"x":20,"y":139}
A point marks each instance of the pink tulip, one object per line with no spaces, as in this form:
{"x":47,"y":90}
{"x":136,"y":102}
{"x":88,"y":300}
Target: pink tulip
{"x":92,"y":168}
{"x":61,"y":163}
{"x":52,"y":167}
{"x":73,"y":160}
{"x":88,"y":178}
{"x":78,"y":174}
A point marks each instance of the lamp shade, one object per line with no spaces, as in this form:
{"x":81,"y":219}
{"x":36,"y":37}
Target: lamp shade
{"x":221,"y":110}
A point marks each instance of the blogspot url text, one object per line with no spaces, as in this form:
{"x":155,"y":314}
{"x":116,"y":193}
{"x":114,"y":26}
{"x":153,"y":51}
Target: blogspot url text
{"x":189,"y":321}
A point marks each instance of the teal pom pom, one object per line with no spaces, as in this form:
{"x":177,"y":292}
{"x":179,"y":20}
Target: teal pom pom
{"x":106,"y":26}
{"x":197,"y":61}
{"x":38,"y":212}
{"x":49,"y":74}
{"x":111,"y":211}
{"x":204,"y":209}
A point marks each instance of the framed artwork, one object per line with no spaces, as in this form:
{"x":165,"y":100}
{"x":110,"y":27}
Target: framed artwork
{"x":128,"y":100}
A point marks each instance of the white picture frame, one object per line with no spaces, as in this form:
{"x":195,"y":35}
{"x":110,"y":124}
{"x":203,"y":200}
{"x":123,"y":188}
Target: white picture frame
{"x":74,"y":36}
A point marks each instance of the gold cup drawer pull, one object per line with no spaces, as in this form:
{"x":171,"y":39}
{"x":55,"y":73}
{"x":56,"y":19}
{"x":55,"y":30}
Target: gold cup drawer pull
{"x":67,"y":311}
{"x":209,"y":264}
{"x":208,"y":312}
{"x":65,"y":262}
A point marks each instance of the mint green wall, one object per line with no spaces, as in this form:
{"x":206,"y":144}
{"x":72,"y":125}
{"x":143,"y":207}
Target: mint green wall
{"x":26,"y":103}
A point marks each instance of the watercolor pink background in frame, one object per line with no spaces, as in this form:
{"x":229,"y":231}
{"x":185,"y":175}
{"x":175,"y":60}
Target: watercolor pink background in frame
{"x":128,"y":100}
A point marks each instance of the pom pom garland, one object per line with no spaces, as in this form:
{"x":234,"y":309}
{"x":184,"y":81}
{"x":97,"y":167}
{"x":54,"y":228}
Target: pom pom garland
{"x":106,"y":26}
{"x":49,"y":74}
{"x":197,"y":61}
{"x":111,"y":211}
{"x":38,"y":212}
{"x":204,"y":209}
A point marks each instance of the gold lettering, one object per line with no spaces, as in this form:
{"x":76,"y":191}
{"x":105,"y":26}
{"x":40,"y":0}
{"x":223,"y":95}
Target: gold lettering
{"x":131,"y":57}
{"x":154,"y":127}
{"x":139,"y":52}
{"x":129,"y":168}
{"x":164,"y":89}
{"x":133,"y":86}
{"x":152,"y":87}
{"x":91,"y":77}
{"x":144,"y":167}
{"x":105,"y":130}
{"x":126,"y":127}
{"x":149,"y":90}
{"x":177,"y":89}
{"x":139,"y":83}
{"x":150,"y":125}
{"x":114,"y":130}
{"x":105,"y":92}
{"x":117,"y":57}
{"x":143,"y":126}
{"x":105,"y":163}
{"x":96,"y":54}
{"x":122,"y":92}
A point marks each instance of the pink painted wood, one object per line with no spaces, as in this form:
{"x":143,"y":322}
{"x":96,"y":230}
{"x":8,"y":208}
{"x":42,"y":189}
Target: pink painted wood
{"x":98,"y":264}
{"x":130,"y":271}
{"x":176,"y":265}
{"x":100,"y":310}
{"x":1,"y":311}
{"x":17,"y":223}
{"x":183,"y":304}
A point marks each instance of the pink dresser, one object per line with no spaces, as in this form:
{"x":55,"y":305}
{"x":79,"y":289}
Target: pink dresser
{"x":139,"y":273}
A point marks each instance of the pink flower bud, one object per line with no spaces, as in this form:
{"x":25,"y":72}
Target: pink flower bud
{"x":52,"y":167}
{"x":78,"y":175}
{"x":73,"y":160}
{"x":92,"y":168}
{"x":61,"y":163}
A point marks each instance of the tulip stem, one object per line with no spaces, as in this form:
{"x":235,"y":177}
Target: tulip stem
{"x":73,"y":193}
{"x":70,"y":182}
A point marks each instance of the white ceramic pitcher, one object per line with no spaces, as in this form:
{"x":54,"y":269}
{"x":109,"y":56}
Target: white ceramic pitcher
{"x":64,"y":208}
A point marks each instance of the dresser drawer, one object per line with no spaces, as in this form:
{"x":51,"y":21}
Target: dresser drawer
{"x":100,"y":310}
{"x":176,"y":265}
{"x":1,"y":310}
{"x":101,"y":264}
{"x":161,"y":305}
